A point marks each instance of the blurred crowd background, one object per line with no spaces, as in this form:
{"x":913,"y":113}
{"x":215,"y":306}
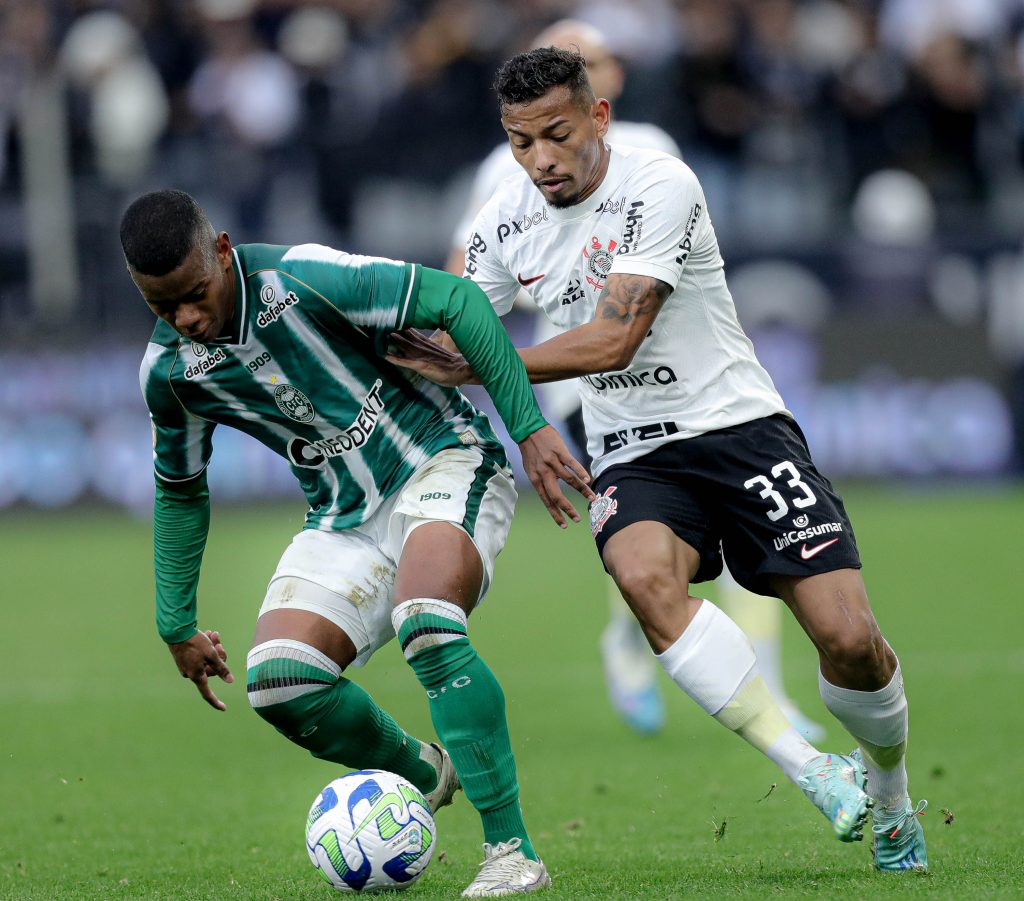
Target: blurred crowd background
{"x":863,"y":162}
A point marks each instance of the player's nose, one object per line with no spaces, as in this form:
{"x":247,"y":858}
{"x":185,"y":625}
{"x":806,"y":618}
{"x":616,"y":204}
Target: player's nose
{"x":544,"y":158}
{"x":185,"y":316}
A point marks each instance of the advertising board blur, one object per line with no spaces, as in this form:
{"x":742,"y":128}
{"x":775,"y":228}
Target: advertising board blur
{"x":876,"y":399}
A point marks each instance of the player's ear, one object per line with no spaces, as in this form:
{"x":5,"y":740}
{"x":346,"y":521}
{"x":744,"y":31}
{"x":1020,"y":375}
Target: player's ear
{"x":601,"y":112}
{"x":224,"y":249}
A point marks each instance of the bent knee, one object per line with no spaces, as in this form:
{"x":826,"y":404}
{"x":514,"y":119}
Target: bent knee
{"x":856,"y":649}
{"x":288,"y":682}
{"x":648,"y":585}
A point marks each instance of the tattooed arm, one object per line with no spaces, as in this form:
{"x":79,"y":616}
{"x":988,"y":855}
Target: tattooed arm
{"x":625,"y":314}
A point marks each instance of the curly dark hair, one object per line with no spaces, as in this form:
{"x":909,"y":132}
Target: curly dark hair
{"x":530,"y":75}
{"x":161,"y":228}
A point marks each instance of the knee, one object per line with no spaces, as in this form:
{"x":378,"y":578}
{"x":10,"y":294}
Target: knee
{"x":289,"y":693}
{"x":658,"y":600}
{"x":433,"y":635}
{"x":646,"y":585}
{"x":859,"y":649}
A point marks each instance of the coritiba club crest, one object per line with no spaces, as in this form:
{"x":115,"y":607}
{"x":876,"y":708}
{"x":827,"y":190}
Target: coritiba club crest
{"x":293,"y":403}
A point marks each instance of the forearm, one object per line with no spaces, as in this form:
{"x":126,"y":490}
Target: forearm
{"x":181,"y":523}
{"x":623,"y":318}
{"x":461,"y":309}
{"x":579,"y":351}
{"x":584,"y":350}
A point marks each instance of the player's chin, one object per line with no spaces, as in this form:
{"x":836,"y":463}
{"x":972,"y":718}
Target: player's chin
{"x":561,"y":200}
{"x":201,"y":336}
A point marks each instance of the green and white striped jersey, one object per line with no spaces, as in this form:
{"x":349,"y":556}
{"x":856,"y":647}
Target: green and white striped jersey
{"x":304,"y":372}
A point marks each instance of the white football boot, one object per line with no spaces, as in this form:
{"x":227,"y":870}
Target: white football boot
{"x":507,"y":871}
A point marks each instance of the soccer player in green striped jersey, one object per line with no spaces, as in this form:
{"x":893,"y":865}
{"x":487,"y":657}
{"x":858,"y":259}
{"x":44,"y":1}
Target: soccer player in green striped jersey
{"x":410,"y":495}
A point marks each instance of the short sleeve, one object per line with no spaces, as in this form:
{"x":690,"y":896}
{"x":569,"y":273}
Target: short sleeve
{"x":665,"y":224}
{"x":485,"y":268}
{"x":369,"y":292}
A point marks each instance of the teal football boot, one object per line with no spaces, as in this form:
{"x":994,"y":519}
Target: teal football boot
{"x":898,"y":838}
{"x":835,"y":785}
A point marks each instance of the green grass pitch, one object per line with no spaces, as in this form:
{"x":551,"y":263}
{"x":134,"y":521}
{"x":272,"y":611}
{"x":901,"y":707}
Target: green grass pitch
{"x":118,"y":782}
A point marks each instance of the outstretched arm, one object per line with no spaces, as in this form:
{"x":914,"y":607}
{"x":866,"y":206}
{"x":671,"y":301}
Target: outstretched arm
{"x":462,"y":310}
{"x":181,"y":523}
{"x":625,"y":314}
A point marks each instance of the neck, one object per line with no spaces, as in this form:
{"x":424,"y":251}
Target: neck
{"x":599,"y":173}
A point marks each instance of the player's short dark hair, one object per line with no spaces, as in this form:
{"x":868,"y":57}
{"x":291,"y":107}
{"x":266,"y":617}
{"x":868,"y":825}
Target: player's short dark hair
{"x":160,"y":229}
{"x":530,"y":75}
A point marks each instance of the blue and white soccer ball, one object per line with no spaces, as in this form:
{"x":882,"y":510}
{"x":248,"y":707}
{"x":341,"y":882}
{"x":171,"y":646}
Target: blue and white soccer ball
{"x":370,"y":831}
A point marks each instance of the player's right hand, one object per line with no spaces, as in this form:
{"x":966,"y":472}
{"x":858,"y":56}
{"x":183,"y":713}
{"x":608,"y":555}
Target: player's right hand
{"x":199,"y":658}
{"x":431,"y":359}
{"x":546,"y":459}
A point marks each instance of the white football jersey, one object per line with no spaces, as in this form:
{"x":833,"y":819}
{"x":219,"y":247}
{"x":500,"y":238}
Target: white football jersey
{"x":560,"y":398}
{"x":696,"y":371}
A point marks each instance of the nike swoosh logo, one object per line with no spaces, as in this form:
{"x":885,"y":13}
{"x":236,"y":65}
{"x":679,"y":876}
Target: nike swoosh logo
{"x":526,"y":282}
{"x":806,"y":553}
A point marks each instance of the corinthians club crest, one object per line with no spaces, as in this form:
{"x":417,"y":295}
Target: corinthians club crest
{"x":602,"y":509}
{"x":293,"y":403}
{"x":599,"y":260}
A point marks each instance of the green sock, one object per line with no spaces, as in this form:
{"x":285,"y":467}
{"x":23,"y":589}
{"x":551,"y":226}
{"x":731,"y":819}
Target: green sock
{"x":467,"y":707}
{"x":303,"y":695}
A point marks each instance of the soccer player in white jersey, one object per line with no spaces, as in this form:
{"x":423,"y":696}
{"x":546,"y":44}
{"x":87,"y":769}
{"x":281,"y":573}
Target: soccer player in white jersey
{"x":630,"y":674}
{"x":409,"y":490}
{"x":695,"y":455}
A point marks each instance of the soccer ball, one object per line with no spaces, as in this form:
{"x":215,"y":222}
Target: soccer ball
{"x":370,"y":831}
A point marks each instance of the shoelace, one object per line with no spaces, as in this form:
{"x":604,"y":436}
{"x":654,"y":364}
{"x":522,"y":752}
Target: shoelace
{"x":883,"y":828}
{"x":496,"y":863}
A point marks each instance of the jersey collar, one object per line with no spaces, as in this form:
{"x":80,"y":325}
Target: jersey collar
{"x":239,"y":332}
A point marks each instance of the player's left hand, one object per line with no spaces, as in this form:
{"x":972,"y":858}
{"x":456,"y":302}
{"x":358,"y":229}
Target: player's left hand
{"x":413,"y":350}
{"x":200,"y":658}
{"x":546,"y":459}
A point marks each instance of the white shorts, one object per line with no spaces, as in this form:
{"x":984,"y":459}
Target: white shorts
{"x":347,"y":576}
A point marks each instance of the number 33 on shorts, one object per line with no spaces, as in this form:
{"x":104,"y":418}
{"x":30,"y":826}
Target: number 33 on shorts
{"x":804,"y":496}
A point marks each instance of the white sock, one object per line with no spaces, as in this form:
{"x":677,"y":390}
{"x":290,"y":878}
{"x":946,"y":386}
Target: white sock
{"x":878,"y":720}
{"x":713,"y":662}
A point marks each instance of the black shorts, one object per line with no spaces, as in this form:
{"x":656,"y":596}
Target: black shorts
{"x":750,"y":493}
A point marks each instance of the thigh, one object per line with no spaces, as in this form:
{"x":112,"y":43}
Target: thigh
{"x":448,"y":525}
{"x":657,"y":488}
{"x":331,"y":590}
{"x":653,"y":567}
{"x":439,"y":561}
{"x":828,"y":603}
{"x":833,"y":609}
{"x":778,"y":516}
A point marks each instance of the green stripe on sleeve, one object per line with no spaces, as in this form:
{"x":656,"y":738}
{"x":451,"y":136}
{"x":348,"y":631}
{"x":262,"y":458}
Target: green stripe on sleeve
{"x":408,"y":296}
{"x":461,"y":308}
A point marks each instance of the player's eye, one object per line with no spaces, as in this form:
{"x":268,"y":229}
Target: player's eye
{"x":560,"y":138}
